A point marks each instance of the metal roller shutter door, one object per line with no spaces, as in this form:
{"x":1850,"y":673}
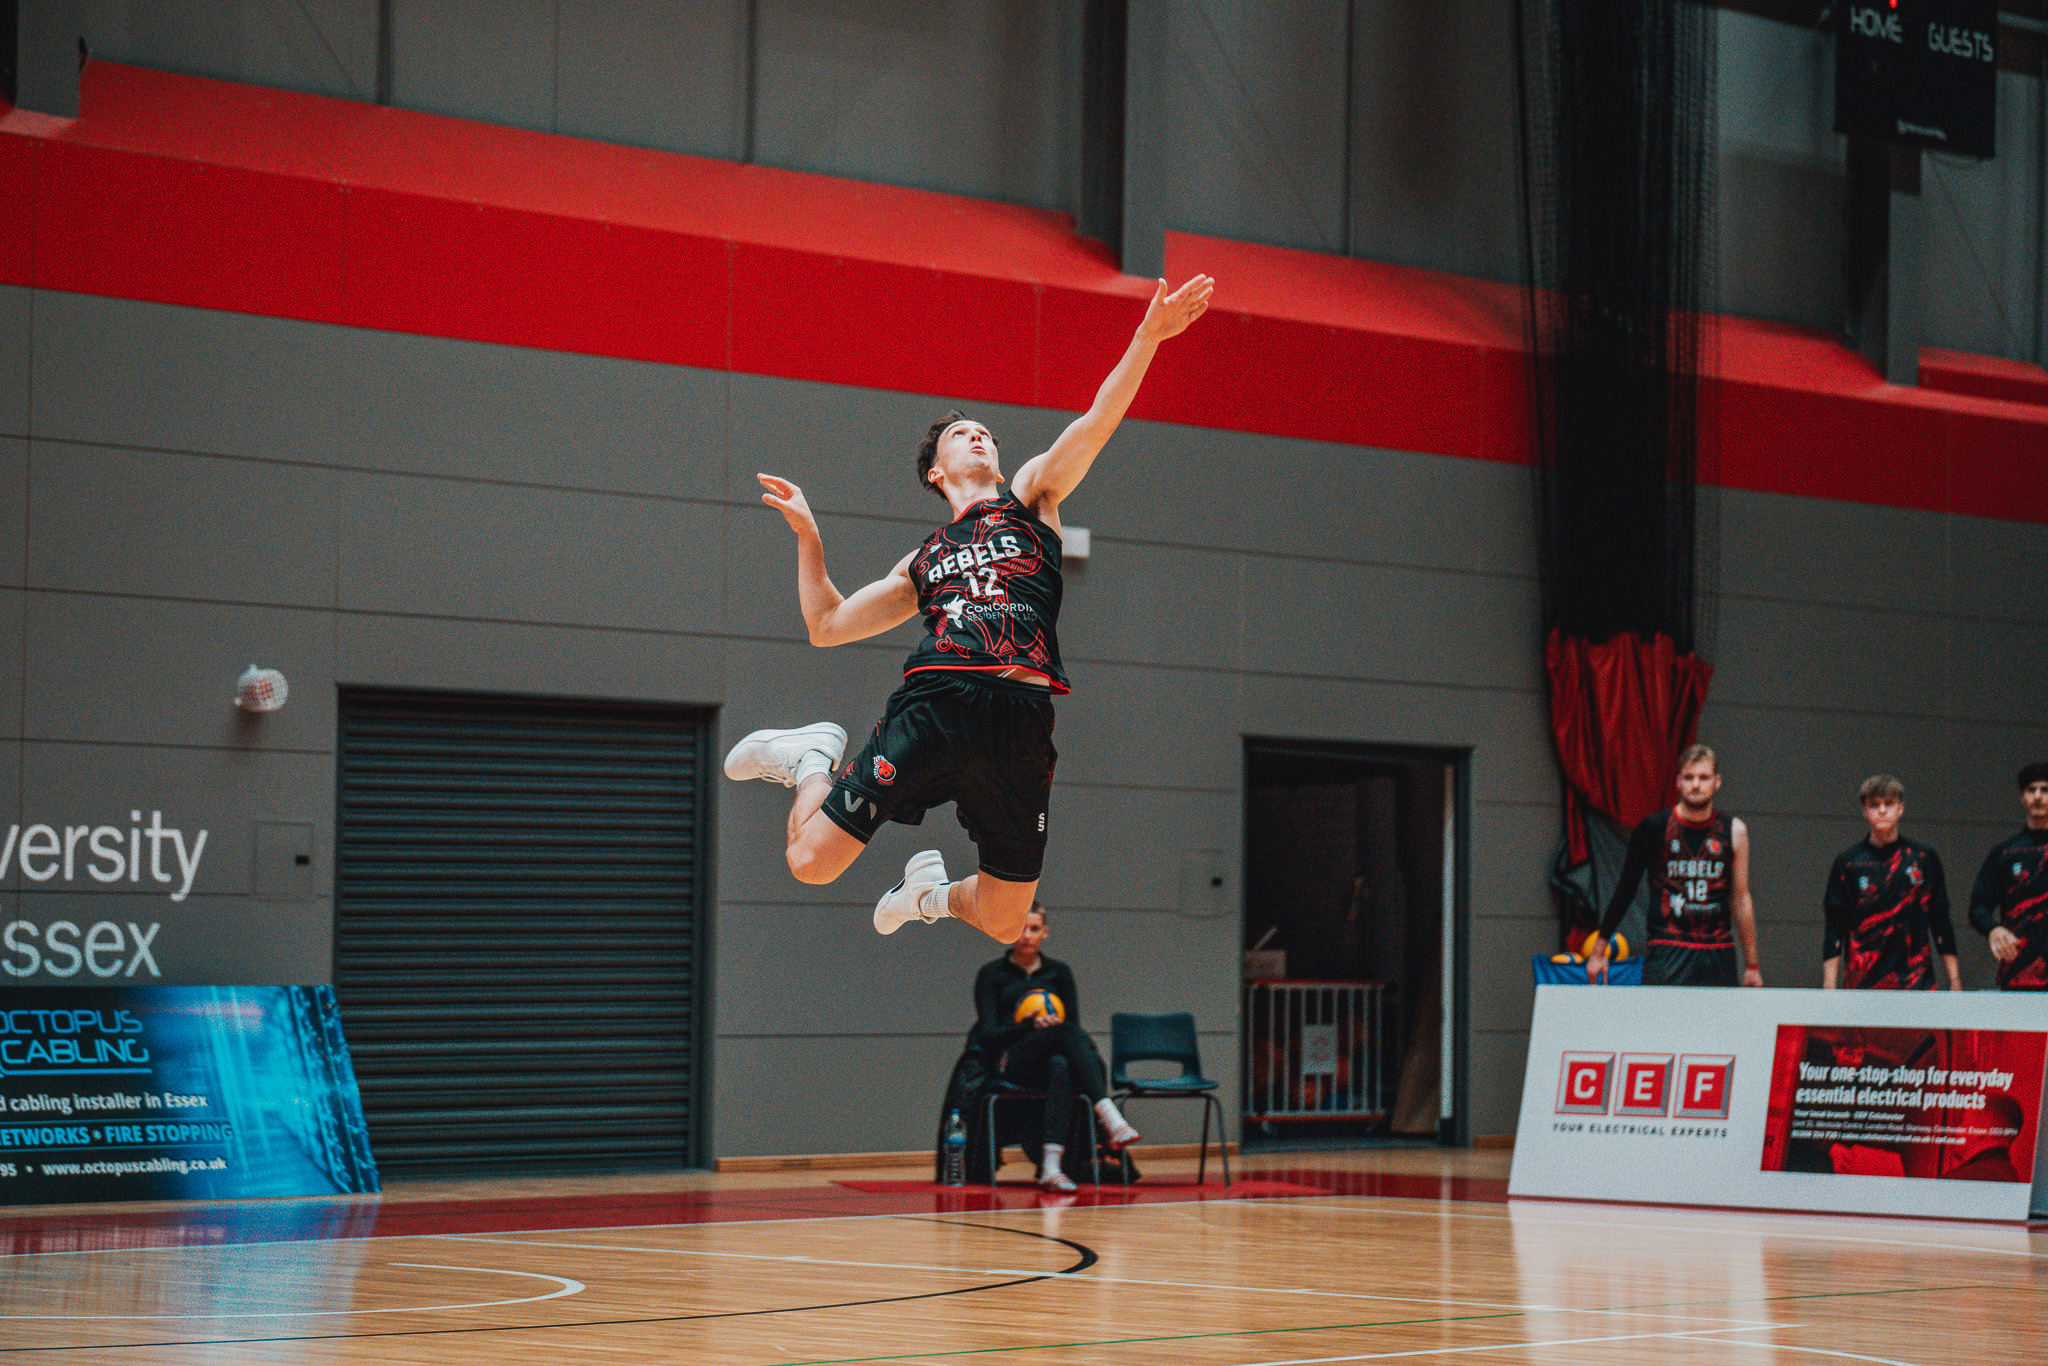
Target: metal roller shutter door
{"x":517,"y":897}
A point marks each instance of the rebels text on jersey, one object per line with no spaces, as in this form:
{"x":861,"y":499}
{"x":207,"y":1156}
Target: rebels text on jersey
{"x":2012,"y":891}
{"x":988,"y":584}
{"x":1887,"y":915}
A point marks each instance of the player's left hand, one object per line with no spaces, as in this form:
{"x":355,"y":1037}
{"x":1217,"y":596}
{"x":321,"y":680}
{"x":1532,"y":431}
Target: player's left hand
{"x":2005,"y":945}
{"x":1044,"y":1019}
{"x":1168,"y":315}
{"x":1752,"y":976}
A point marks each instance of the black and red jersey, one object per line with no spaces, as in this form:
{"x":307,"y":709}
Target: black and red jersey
{"x":2012,"y":890}
{"x":1887,"y":915}
{"x":988,"y":584}
{"x":1691,"y":871}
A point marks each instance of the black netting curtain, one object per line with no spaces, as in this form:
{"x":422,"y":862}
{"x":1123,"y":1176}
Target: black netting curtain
{"x":1617,"y":101}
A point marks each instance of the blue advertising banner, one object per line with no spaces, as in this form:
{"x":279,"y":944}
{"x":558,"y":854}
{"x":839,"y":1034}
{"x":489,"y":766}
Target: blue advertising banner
{"x":177,"y":1093}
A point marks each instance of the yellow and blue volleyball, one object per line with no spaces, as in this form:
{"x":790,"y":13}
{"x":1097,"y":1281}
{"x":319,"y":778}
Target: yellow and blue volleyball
{"x":1566,"y":959}
{"x":1038,"y":1001}
{"x":1618,"y":950}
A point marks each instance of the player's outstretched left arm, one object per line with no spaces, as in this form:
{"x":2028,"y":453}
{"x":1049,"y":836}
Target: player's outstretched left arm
{"x":1045,"y":479}
{"x":1743,"y":909}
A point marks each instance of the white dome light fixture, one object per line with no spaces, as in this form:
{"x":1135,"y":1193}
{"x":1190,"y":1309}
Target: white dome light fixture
{"x":260,"y":690}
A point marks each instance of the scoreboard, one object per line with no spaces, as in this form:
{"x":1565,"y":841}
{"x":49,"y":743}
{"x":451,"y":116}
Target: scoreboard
{"x":1920,"y":73}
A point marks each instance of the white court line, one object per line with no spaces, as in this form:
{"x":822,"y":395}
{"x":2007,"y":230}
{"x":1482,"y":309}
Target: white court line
{"x":983,"y":1271}
{"x":567,"y":1287}
{"x":1520,"y":1346}
{"x":1661,"y":1228}
{"x":1818,"y":1351}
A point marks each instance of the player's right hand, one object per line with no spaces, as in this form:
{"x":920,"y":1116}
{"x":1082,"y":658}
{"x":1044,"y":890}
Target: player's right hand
{"x":2005,"y":945}
{"x":1596,"y":959}
{"x":787,"y":499}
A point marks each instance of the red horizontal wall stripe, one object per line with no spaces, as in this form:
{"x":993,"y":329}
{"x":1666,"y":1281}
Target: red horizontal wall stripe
{"x":483,"y":273}
{"x":18,"y":157}
{"x":185,"y":232}
{"x":208,"y":194}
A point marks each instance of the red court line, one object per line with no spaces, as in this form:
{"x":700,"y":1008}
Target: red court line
{"x":222,"y":1225}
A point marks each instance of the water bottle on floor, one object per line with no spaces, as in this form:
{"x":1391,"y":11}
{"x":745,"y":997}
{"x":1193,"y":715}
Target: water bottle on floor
{"x":956,"y":1149}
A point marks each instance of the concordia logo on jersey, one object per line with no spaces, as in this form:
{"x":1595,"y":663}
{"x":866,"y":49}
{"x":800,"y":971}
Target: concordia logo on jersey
{"x":885,"y":772}
{"x":1646,"y":1085}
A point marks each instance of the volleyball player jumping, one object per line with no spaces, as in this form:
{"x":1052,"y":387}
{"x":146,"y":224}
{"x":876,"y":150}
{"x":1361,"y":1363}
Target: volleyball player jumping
{"x":972,"y":722}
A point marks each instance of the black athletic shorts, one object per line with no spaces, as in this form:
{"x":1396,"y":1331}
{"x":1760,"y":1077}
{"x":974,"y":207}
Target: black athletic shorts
{"x":1668,"y":965}
{"x":984,"y":744}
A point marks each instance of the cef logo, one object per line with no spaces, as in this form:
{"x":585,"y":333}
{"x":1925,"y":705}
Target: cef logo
{"x":1704,"y":1083}
{"x":1582,"y":1085}
{"x":1646,"y":1085}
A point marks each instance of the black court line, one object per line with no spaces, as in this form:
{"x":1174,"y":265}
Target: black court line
{"x":1086,"y":1259}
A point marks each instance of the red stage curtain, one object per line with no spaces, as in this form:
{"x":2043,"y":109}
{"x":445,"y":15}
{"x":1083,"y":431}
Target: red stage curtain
{"x":1621,"y":712}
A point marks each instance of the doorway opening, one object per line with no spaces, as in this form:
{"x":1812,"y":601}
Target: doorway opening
{"x":1354,"y":877}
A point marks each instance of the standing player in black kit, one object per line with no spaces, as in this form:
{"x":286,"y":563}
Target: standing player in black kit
{"x":972,"y":722}
{"x":2009,"y":904}
{"x":1697,"y":860}
{"x":1887,"y":905}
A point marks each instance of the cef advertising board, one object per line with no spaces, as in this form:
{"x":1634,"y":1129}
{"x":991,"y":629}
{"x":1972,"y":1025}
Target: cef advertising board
{"x":177,"y":1093}
{"x":1916,"y":1103}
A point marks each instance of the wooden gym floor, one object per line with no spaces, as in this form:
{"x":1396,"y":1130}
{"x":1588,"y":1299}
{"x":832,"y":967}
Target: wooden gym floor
{"x":1322,"y":1257}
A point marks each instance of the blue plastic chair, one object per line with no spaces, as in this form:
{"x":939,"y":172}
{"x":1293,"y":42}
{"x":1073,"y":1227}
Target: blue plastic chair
{"x":1166,"y":1038}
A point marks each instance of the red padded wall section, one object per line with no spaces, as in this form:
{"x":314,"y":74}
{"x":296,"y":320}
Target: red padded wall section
{"x":484,"y":273}
{"x":182,"y":190}
{"x":18,"y":158}
{"x":184,"y":232}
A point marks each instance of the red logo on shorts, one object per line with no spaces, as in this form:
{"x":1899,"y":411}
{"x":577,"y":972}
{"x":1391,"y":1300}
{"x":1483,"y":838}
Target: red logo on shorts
{"x":885,"y":772}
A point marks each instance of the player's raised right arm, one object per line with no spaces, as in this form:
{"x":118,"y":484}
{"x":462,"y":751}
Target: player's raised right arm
{"x":831,"y":617}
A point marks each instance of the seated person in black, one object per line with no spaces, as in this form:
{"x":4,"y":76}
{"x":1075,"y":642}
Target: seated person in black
{"x":1041,"y":1052}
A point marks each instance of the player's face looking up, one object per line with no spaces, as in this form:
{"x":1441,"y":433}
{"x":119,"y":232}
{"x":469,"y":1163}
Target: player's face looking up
{"x":1698,"y":781}
{"x":1883,"y":813}
{"x":966,"y":452}
{"x":2034,"y":796}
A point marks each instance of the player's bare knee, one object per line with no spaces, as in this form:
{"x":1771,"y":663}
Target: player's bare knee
{"x":812,"y":866}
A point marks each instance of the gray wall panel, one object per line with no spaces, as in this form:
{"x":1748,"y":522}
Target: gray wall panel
{"x":14,"y":359}
{"x":1158,"y":482}
{"x":1776,"y":547}
{"x":144,"y":671}
{"x":1989,"y":576}
{"x":968,"y":96}
{"x":670,"y":75}
{"x":137,"y":374}
{"x":1433,"y":176}
{"x":13,"y":511}
{"x":10,"y":801}
{"x":1507,"y":994}
{"x":885,"y":1093}
{"x":13,"y":659}
{"x":1833,"y":666}
{"x":1497,"y":1062}
{"x":428,"y":405}
{"x":201,"y":941}
{"x":1149,"y":604}
{"x":1317,"y":618}
{"x":1250,"y":92}
{"x":1511,"y":850}
{"x":491,"y":60}
{"x":454,"y":548}
{"x":116,"y":520}
{"x":521,"y":657}
{"x":222,"y":791}
{"x":1129,"y":724}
